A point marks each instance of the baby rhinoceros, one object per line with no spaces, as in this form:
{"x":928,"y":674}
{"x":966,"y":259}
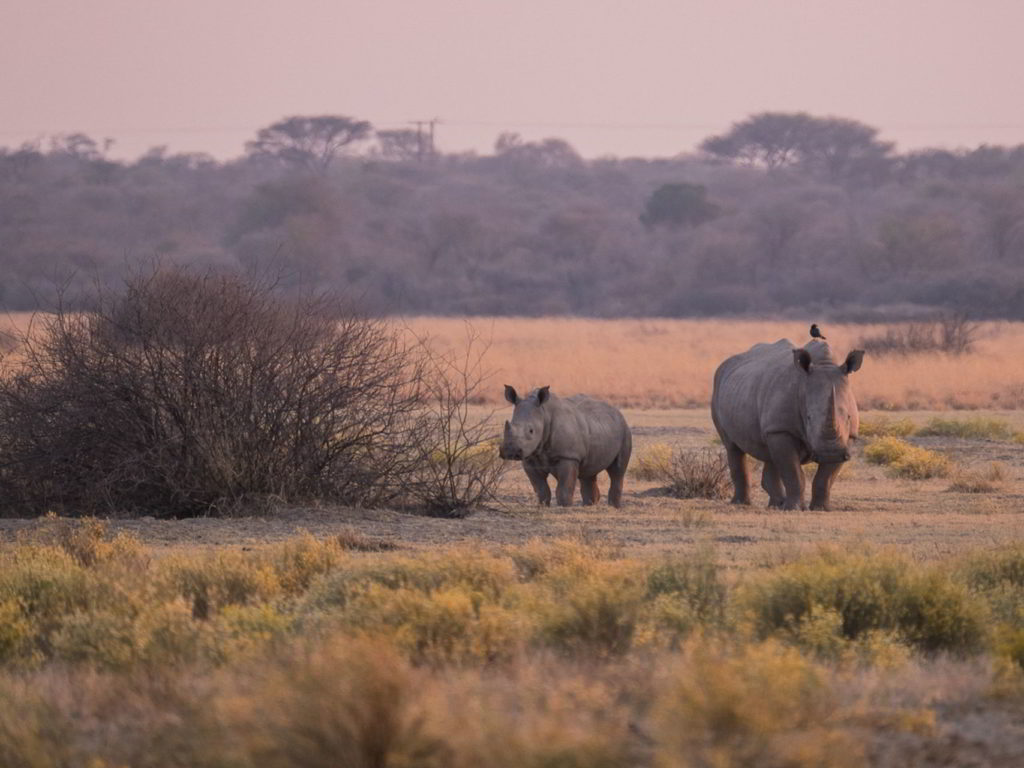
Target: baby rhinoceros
{"x":574,"y":438}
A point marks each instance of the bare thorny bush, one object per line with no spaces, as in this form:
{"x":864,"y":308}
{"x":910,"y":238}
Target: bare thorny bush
{"x":194,"y":393}
{"x":698,"y":474}
{"x":457,"y":463}
{"x":952,"y":332}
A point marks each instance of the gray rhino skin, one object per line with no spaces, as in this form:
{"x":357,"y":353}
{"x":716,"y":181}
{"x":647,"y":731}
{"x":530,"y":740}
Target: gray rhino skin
{"x":572,"y":438}
{"x":786,"y":406}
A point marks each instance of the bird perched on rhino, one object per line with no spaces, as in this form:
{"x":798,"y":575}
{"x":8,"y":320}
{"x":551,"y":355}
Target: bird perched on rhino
{"x":816,"y":332}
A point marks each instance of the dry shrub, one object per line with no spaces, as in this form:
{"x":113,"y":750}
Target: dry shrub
{"x":353,"y":540}
{"x":952,"y":333}
{"x":974,"y":427}
{"x":906,"y":460}
{"x":652,"y":462}
{"x":886,"y":427}
{"x":544,"y":715}
{"x":352,"y":703}
{"x":223,"y":578}
{"x":980,"y":481}
{"x":759,"y":705}
{"x":189,"y":393}
{"x":456,"y":465}
{"x":699,"y":474}
{"x":298,"y":562}
{"x":88,"y":541}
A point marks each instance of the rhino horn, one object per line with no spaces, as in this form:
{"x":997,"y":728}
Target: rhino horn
{"x":834,"y":420}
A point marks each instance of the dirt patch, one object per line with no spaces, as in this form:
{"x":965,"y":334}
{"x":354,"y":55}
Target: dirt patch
{"x":922,"y":517}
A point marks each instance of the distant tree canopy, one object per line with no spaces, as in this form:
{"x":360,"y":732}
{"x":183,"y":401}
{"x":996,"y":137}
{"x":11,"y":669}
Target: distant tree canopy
{"x":678,"y":205}
{"x":310,"y":143}
{"x":762,"y":220}
{"x":831,"y":147}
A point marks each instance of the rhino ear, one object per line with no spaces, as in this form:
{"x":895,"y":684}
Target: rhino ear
{"x":543,"y":393}
{"x":853,"y":361}
{"x":510,"y":394}
{"x":802,"y":359}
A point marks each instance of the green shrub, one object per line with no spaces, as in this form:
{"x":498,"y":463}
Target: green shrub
{"x":687,"y":593}
{"x":975,"y":428}
{"x":923,"y":606}
{"x":480,"y":574}
{"x":446,"y":625}
{"x":998,"y":577}
{"x":883,"y":426}
{"x":988,"y":570}
{"x":595,"y":615}
{"x":106,"y":638}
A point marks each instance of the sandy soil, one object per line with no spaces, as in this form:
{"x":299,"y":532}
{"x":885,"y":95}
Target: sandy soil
{"x":921,"y":517}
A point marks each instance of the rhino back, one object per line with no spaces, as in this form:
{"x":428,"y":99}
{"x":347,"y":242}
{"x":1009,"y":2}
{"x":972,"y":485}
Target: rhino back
{"x":588,"y":430}
{"x":755,"y":393}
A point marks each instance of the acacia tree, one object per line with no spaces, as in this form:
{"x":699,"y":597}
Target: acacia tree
{"x":310,"y":143}
{"x":771,"y":139}
{"x":833,"y":148}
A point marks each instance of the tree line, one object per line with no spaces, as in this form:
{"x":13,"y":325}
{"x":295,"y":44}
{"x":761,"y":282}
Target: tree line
{"x":782,"y":212}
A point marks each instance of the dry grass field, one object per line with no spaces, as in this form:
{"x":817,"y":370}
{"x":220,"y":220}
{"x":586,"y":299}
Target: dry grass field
{"x":922,"y":518}
{"x":655,"y":363}
{"x":666,"y":363}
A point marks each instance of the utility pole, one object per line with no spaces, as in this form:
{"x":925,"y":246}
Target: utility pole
{"x":425,"y":141}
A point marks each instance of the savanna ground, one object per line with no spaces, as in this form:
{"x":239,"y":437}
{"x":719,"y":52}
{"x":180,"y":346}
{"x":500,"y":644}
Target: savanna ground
{"x":674,"y":632}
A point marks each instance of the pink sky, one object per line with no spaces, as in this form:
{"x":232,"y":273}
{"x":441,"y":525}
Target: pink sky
{"x":622,"y":77}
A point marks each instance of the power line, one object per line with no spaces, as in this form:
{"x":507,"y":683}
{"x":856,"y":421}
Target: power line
{"x":425,"y":141}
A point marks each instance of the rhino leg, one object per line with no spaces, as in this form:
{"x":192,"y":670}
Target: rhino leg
{"x":821,"y":486}
{"x":772,"y":485}
{"x":566,"y":472}
{"x":617,"y":471}
{"x":738,"y":472}
{"x":615,"y":488}
{"x":785,"y":453}
{"x":539,"y":481}
{"x":589,"y":490}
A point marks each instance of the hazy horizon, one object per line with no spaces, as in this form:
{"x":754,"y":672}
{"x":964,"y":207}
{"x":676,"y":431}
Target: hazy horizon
{"x":646,"y":79}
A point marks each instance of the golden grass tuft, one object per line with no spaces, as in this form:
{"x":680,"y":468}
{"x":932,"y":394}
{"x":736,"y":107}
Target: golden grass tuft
{"x":986,"y":480}
{"x":906,"y":460}
{"x":883,"y":426}
{"x":687,"y":474}
{"x":652,"y":462}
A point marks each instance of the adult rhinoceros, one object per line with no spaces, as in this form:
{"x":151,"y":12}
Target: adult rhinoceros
{"x":786,"y":406}
{"x":572,"y":438}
